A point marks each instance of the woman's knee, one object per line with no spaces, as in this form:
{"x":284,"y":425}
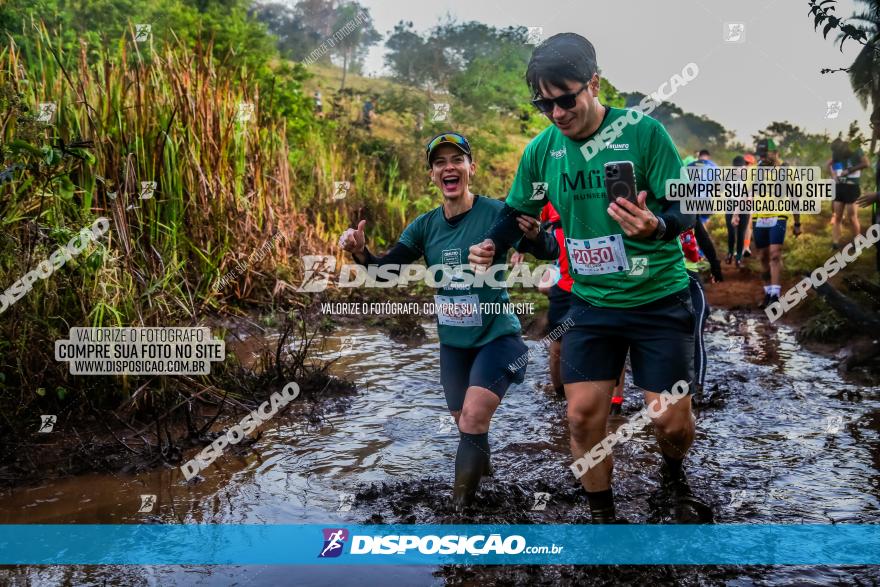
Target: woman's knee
{"x":474,"y":418}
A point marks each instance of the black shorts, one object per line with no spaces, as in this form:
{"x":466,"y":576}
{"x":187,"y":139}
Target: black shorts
{"x":764,"y":236}
{"x":847,"y":193}
{"x":659,"y":337}
{"x":487,"y":366}
{"x":560,"y":302}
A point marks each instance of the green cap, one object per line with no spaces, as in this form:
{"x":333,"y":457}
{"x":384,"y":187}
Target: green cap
{"x":767,"y":145}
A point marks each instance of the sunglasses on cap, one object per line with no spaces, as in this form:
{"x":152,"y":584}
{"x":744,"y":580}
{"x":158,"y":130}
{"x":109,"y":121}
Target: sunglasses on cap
{"x":448,"y":138}
{"x":565,"y":101}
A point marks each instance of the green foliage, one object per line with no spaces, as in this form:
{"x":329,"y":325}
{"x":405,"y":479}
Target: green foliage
{"x":353,"y":45}
{"x":296,"y":40}
{"x":823,"y":324}
{"x":863,"y":28}
{"x":344,"y":30}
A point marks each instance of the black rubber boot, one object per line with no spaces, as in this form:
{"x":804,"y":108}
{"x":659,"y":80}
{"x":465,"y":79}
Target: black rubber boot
{"x":602,"y":508}
{"x":686,"y":507}
{"x":471,"y":462}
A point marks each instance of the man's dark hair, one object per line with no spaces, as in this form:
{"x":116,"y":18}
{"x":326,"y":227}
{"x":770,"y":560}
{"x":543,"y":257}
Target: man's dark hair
{"x":739,"y":161}
{"x":703,"y":152}
{"x":566,"y":56}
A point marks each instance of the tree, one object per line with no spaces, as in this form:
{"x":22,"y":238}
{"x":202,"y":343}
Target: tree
{"x":691,"y":131}
{"x":317,"y":15}
{"x":797,"y":146}
{"x":295,"y":39}
{"x":479,"y":64}
{"x":354,"y":34}
{"x":406,"y":55}
{"x":864,"y":73}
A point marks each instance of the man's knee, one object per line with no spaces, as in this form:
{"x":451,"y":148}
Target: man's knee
{"x":676,"y":421}
{"x":586,"y":419}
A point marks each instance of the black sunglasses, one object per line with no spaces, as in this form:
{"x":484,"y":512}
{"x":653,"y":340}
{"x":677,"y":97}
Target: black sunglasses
{"x":565,"y":101}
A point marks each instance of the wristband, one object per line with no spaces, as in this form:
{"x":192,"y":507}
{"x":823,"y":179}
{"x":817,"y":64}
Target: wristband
{"x":660,"y":231}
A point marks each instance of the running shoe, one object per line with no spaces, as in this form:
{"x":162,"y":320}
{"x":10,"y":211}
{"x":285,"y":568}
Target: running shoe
{"x":768,"y":299}
{"x":729,"y":258}
{"x":747,"y":252}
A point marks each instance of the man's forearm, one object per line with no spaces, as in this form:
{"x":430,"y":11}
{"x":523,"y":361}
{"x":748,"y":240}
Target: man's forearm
{"x":676,"y":222}
{"x":505,"y":232}
{"x":544,"y":247}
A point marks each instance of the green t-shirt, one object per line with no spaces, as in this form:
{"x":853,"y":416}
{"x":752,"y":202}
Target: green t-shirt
{"x":605,"y":273}
{"x":440,"y":242}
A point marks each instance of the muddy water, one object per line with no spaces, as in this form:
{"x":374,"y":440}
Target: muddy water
{"x":783,"y":439}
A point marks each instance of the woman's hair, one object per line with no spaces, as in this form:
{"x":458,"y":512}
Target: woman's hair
{"x":840,"y":149}
{"x":566,"y":56}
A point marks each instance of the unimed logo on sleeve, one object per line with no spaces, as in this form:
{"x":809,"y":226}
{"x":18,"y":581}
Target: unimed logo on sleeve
{"x":334,"y":540}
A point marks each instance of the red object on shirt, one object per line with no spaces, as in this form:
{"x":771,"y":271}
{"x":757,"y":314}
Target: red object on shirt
{"x":549,"y":214}
{"x":689,"y":246}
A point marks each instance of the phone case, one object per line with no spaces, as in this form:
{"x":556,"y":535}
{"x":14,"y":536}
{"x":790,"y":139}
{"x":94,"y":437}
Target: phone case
{"x":624,"y":184}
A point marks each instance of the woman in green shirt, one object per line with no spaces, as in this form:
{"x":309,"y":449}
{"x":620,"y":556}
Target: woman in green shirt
{"x":481,"y":348}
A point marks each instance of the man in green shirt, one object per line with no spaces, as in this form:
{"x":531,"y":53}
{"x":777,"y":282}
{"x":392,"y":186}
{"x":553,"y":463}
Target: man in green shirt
{"x":630,"y":283}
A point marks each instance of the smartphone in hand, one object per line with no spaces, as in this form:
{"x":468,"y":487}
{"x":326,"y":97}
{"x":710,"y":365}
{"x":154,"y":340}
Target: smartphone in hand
{"x":620,"y":181}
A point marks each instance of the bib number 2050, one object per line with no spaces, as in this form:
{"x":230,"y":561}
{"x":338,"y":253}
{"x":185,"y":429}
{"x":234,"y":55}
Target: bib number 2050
{"x":597,"y":256}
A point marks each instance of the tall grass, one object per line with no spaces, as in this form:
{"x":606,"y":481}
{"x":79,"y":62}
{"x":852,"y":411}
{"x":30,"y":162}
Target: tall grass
{"x":169,"y":116}
{"x":166,"y":114}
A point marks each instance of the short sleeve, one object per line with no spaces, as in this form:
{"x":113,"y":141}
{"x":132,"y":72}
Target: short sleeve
{"x":520,"y":195}
{"x":664,"y":162}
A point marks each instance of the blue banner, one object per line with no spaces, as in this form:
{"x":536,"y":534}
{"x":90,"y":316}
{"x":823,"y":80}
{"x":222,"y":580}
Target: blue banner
{"x":219,"y":544}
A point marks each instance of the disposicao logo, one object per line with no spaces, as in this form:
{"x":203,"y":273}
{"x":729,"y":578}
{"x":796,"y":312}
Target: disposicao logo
{"x":334,"y":540}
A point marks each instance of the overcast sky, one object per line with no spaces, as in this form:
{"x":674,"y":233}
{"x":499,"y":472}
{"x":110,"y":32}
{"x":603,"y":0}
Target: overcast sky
{"x":772,"y":75}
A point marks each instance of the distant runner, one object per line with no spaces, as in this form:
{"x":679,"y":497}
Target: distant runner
{"x":751,"y":161}
{"x":367,"y":114}
{"x":736,"y":228}
{"x":475,"y":348}
{"x":703,"y":161}
{"x":769,"y":231}
{"x":845,"y":167}
{"x":649,"y":315}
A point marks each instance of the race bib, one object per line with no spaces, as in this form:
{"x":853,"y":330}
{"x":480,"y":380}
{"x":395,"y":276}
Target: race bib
{"x":458,"y":310}
{"x":597,"y":256}
{"x":765,"y":222}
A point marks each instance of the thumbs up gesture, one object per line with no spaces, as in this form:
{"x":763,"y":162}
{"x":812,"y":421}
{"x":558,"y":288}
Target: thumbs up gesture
{"x":353,"y":240}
